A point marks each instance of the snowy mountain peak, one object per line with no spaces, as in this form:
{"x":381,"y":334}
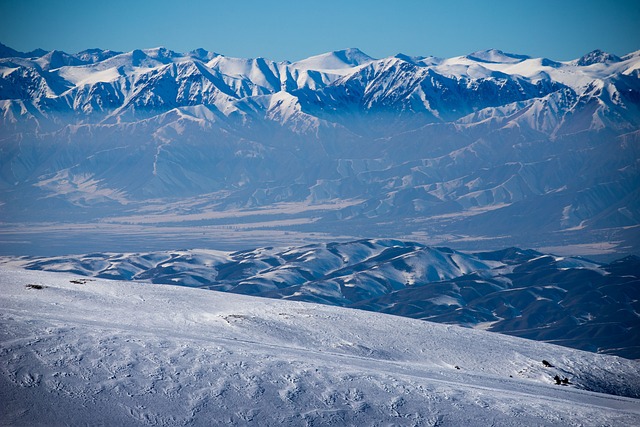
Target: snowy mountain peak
{"x":632,"y":55}
{"x":57,"y":58}
{"x":162,"y":54}
{"x":95,"y":55}
{"x":597,"y":57}
{"x":202,"y":54}
{"x":419,"y":60}
{"x":353,"y":56}
{"x":337,"y":60}
{"x":496,"y":56}
{"x":7,"y":52}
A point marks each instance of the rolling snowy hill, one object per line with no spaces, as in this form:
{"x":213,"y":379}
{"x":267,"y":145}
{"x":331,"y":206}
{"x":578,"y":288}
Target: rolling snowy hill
{"x":481,"y":151}
{"x":562,"y":300}
{"x":83,"y":351}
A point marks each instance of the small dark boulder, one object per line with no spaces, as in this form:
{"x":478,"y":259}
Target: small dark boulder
{"x":546,"y":364}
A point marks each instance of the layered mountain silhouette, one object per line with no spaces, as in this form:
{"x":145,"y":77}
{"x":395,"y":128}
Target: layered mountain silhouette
{"x":568,"y":301}
{"x":466,"y":150}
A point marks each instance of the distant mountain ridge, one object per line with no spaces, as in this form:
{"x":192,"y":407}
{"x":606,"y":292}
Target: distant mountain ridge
{"x":490,"y":145}
{"x":567,"y":301}
{"x":156,"y":80}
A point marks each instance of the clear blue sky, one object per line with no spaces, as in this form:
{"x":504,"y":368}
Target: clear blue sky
{"x":287,"y":29}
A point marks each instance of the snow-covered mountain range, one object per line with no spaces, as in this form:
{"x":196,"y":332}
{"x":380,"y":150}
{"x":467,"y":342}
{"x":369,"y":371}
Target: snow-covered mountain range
{"x":567,"y":301}
{"x":490,"y":149}
{"x":141,"y":151}
{"x":77,"y":351}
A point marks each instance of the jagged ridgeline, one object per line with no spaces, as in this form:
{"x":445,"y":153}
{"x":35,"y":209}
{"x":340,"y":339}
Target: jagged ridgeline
{"x":469,"y":149}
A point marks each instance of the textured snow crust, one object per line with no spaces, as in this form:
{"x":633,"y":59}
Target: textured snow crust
{"x":77,"y":351}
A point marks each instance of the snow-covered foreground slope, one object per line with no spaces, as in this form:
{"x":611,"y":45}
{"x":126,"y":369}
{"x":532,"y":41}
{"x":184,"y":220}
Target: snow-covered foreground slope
{"x":79,"y":351}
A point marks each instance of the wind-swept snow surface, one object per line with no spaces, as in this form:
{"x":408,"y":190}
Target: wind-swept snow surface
{"x":81,"y":351}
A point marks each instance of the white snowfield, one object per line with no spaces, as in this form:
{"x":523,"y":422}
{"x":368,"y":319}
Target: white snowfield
{"x":78,"y":351}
